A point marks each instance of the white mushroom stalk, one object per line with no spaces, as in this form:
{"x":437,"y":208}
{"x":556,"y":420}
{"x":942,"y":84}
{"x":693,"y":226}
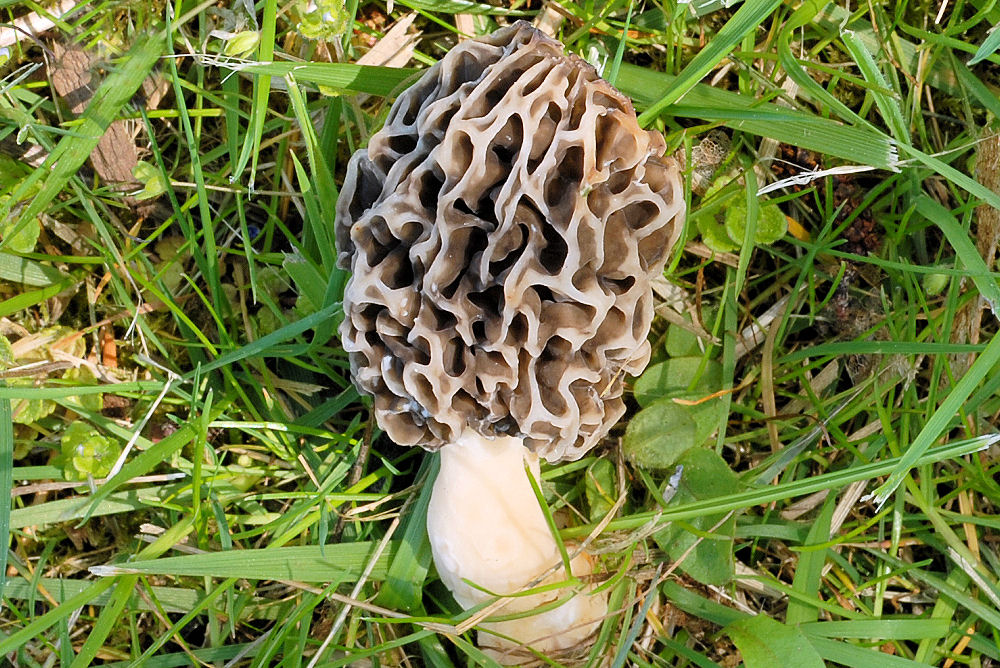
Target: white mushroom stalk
{"x":486,"y":527}
{"x":501,"y":230}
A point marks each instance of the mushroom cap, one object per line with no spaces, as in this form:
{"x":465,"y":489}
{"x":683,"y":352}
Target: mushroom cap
{"x":501,"y":230}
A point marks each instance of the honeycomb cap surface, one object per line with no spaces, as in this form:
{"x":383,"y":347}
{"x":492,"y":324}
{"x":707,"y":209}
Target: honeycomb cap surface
{"x":501,"y":230}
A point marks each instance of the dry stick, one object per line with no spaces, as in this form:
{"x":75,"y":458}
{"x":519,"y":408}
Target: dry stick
{"x":57,"y":486}
{"x":356,"y":471}
{"x":120,"y":462}
{"x":767,"y":384}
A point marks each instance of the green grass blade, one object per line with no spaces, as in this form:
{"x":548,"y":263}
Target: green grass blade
{"x":973,"y":265}
{"x":846,"y":654}
{"x":950,"y":408}
{"x":342,"y":77}
{"x":765,"y":642}
{"x":802,"y":17}
{"x":261,"y":93}
{"x":897,"y":629}
{"x":6,"y":483}
{"x":974,"y":88}
{"x":740,"y":112}
{"x":28,"y":272}
{"x":37,"y":626}
{"x":746,"y":19}
{"x":989,"y":614}
{"x":961,"y":180}
{"x":882,"y":348}
{"x":883,"y":95}
{"x":809,"y":570}
{"x":404,"y":581}
{"x":988,"y":47}
{"x":303,"y":563}
{"x":31,"y":298}
{"x":461,"y":7}
{"x":106,"y":621}
{"x":946,"y":414}
{"x":611,"y":75}
{"x":73,"y":508}
{"x":265,"y":344}
{"x":626,"y":642}
{"x":77,"y":391}
{"x":152,"y":456}
{"x":173,"y":599}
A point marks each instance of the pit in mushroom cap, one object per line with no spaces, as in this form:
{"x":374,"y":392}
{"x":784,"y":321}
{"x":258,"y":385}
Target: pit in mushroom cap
{"x":501,"y":230}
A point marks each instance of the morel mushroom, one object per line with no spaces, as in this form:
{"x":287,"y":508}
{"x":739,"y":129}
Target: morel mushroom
{"x":502,"y":229}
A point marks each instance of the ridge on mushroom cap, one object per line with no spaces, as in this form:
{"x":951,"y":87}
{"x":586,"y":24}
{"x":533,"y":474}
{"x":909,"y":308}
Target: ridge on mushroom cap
{"x":501,"y":230}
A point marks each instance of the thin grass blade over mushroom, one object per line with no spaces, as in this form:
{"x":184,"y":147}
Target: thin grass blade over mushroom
{"x":501,"y":230}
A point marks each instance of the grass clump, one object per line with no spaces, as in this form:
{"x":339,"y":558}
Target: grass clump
{"x":194,"y":480}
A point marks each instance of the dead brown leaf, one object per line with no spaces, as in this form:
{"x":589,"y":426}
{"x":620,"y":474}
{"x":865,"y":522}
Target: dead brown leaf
{"x":75,"y":79}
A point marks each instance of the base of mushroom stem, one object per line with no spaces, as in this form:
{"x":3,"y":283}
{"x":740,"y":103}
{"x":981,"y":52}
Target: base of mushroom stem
{"x":486,"y":528}
{"x":565,"y":633}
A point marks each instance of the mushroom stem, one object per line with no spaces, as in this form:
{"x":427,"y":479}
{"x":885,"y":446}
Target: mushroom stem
{"x":486,"y":528}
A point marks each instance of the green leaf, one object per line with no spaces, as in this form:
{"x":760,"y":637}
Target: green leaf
{"x":20,"y":238}
{"x":107,"y":621}
{"x":152,"y":179}
{"x":242,"y":43}
{"x":665,"y":429}
{"x":342,"y":77}
{"x":787,"y":490}
{"x":696,"y":604}
{"x":600,"y":488}
{"x":681,"y":342}
{"x":809,"y":571}
{"x":86,"y":452}
{"x":741,"y":112}
{"x":83,"y":375}
{"x":34,"y":629}
{"x":266,"y":344}
{"x":705,"y":476}
{"x":462,"y":7}
{"x":173,"y":599}
{"x":714,"y":234}
{"x":846,"y":654}
{"x":658,"y":435}
{"x":27,"y":410}
{"x":897,"y":629}
{"x":328,"y":20}
{"x":765,"y":643}
{"x":771,"y":224}
{"x":810,"y":88}
{"x":885,"y":100}
{"x":310,"y":284}
{"x":676,"y":377}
